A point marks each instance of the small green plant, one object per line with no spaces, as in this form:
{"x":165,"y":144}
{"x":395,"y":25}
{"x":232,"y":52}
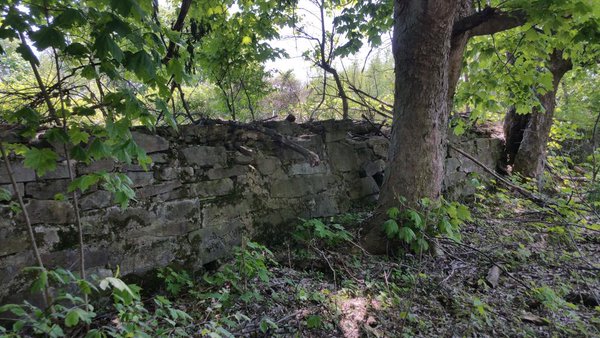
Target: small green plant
{"x":175,"y":281}
{"x":234,"y":278}
{"x":414,"y":226}
{"x":550,"y":299}
{"x":68,"y":312}
{"x":480,"y":312}
{"x":331,"y":234}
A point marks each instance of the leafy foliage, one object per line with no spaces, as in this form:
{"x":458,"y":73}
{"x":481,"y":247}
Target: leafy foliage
{"x":416,"y":227}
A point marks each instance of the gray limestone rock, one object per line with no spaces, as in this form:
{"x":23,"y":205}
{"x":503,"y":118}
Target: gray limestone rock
{"x":218,"y":173}
{"x":96,"y":200}
{"x":210,"y":189}
{"x":20,"y":173}
{"x":305,"y":168}
{"x":46,"y":190}
{"x":204,"y":156}
{"x":50,"y":211}
{"x":106,"y":164}
{"x":150,"y":143}
{"x":62,"y":171}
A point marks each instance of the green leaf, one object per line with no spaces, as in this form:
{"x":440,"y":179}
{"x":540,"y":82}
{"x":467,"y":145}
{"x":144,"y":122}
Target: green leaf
{"x":28,"y":115}
{"x":27,"y":54}
{"x":407,"y":234}
{"x":76,"y":49}
{"x":393,"y":213}
{"x":89,"y":72}
{"x":77,"y":136}
{"x":98,"y":149}
{"x":391,"y":228}
{"x":175,"y":68}
{"x":40,"y":160}
{"x":452,"y":211}
{"x":5,"y":195}
{"x":78,"y":153}
{"x":56,"y":135}
{"x":72,"y":318}
{"x":141,"y":64}
{"x":127,"y":7}
{"x":41,"y":281}
{"x":84,"y":111}
{"x":46,"y":37}
{"x":463,"y":213}
{"x":104,"y":45}
{"x":84,"y":182}
{"x":314,"y":322}
{"x":416,"y":219}
{"x":17,"y":310}
{"x":68,"y":18}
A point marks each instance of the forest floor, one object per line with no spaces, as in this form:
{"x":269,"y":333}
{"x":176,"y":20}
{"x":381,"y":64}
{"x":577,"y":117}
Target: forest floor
{"x":519,"y":271}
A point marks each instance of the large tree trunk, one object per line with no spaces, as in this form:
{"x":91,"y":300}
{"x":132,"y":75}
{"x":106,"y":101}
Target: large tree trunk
{"x":421,"y":47}
{"x":531,"y":141}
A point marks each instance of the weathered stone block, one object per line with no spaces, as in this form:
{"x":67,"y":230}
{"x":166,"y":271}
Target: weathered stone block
{"x":323,"y":205}
{"x":141,"y":179}
{"x":211,"y":188}
{"x":96,"y":200}
{"x":12,"y":242}
{"x":62,"y":171}
{"x":165,"y":173}
{"x":373,"y":167}
{"x":46,"y":190}
{"x":189,"y":210}
{"x":159,"y":158}
{"x":205,"y":156}
{"x":213,"y":214}
{"x":218,"y":173}
{"x":268,"y":165}
{"x":452,"y":165}
{"x":20,"y":173}
{"x":379,"y":145}
{"x":306,"y":169}
{"x":299,"y":186}
{"x":188,"y":174}
{"x":342,"y":157}
{"x":50,"y":211}
{"x":364,"y":187}
{"x":150,"y":143}
{"x":157,"y":189}
{"x":106,"y":164}
{"x":240,"y":158}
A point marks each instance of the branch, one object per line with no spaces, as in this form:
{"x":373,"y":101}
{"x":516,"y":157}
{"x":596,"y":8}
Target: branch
{"x":521,"y":190}
{"x":177,"y":27}
{"x":311,"y":156}
{"x":489,"y":21}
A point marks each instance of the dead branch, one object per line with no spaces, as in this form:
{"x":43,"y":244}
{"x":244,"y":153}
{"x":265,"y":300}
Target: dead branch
{"x":528,"y":194}
{"x":311,"y":156}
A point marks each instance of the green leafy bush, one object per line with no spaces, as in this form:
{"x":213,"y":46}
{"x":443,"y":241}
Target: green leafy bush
{"x":331,"y":234}
{"x":414,"y":226}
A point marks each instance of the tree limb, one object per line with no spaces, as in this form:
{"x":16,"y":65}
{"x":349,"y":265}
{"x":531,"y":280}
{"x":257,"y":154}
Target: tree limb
{"x":489,"y":21}
{"x":311,"y":156}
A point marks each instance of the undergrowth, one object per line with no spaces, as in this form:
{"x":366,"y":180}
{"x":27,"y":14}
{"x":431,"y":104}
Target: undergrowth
{"x":506,"y":265}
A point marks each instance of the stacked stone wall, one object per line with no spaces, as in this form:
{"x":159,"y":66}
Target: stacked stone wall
{"x":208,"y":186}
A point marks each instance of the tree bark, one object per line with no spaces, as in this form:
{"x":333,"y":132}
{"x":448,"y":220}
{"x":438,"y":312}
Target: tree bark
{"x":421,"y":48}
{"x":531,"y":149}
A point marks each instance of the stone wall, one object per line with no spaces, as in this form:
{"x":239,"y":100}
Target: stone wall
{"x":207,"y":187}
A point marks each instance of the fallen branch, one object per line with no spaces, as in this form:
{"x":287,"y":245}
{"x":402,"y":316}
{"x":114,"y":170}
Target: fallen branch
{"x":521,"y":190}
{"x":375,"y":127}
{"x":311,"y":156}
